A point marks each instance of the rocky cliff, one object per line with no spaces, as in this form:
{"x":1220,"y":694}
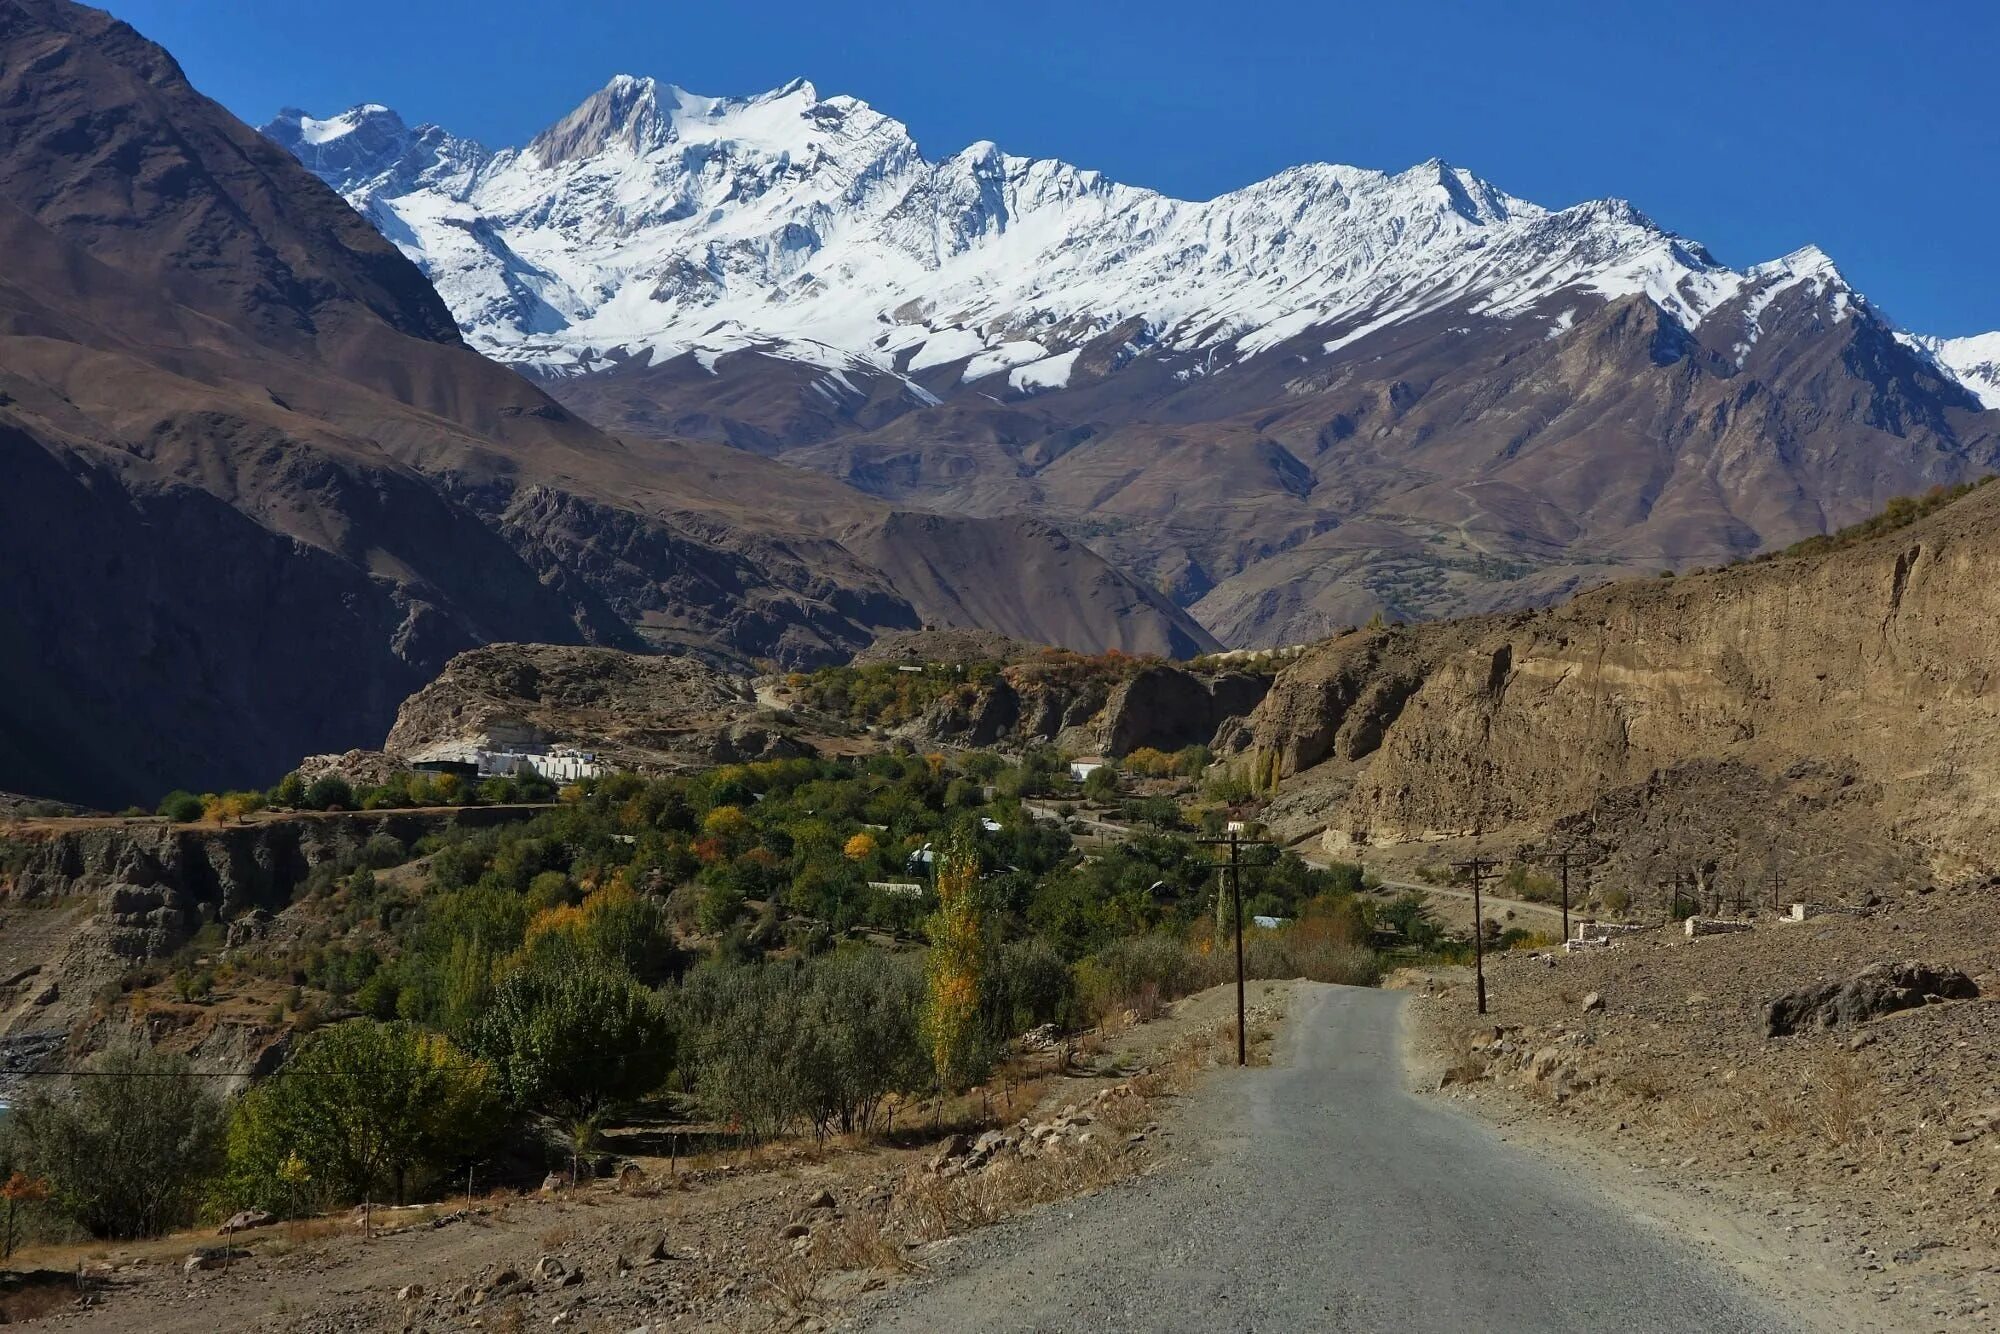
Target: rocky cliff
{"x":635,"y":710}
{"x":1874,"y":663}
{"x":83,"y":900}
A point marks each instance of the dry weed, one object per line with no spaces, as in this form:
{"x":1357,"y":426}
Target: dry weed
{"x":1842,"y":1099}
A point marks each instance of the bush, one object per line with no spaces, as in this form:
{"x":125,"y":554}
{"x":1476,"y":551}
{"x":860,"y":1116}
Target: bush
{"x":131,"y":1152}
{"x":329,"y":792}
{"x":360,"y":1105}
{"x":575,"y":1039}
{"x":382,"y":851}
{"x":819,"y":1044}
{"x":181,"y":807}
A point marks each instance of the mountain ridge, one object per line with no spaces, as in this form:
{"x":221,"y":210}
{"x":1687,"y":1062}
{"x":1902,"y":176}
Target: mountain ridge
{"x":1328,"y":395}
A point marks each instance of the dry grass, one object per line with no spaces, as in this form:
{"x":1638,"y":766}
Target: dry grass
{"x":1842,"y":1100}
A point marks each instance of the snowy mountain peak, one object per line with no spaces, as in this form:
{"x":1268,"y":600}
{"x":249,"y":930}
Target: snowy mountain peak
{"x":1973,"y":361}
{"x":652,"y":222}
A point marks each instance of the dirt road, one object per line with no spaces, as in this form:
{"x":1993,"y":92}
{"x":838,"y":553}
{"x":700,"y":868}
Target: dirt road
{"x":1322,"y":1194}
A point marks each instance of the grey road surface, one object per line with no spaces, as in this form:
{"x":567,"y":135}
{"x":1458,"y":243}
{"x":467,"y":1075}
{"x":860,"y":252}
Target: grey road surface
{"x":1320,"y":1195}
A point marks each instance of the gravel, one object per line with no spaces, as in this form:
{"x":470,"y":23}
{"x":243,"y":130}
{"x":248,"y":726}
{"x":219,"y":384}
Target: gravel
{"x":1320,"y":1193}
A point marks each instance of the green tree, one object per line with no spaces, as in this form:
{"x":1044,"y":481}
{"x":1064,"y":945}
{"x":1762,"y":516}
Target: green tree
{"x":360,"y":1105}
{"x":290,"y":791}
{"x":181,"y":807}
{"x":576,"y":1040}
{"x":955,"y":968}
{"x":130,"y":1153}
{"x":1101,"y":783}
{"x":329,"y":791}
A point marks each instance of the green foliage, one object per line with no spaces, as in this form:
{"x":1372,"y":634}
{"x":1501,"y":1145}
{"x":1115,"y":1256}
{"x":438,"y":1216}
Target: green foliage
{"x":820,"y":1044}
{"x":181,"y":807}
{"x":1101,"y":783}
{"x":882,"y":694}
{"x":575,"y":1039}
{"x":1900,"y":512}
{"x":955,"y":969}
{"x":1411,"y":915}
{"x":328,"y":792}
{"x":359,"y":1105}
{"x":130,"y":1151}
{"x":1521,"y":881}
{"x":290,"y":791}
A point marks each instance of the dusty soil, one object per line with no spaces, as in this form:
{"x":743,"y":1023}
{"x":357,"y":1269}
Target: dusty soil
{"x":1870,"y":1151}
{"x":783,"y":1238}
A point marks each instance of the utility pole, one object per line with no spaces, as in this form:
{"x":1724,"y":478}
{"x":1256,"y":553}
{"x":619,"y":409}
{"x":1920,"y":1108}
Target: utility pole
{"x":1234,"y":841}
{"x":1476,"y":868}
{"x":1564,"y":857}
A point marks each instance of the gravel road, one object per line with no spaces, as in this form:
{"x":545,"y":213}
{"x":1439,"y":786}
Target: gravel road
{"x":1319,"y":1194}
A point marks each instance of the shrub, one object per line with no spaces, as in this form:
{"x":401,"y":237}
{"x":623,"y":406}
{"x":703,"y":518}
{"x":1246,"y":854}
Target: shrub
{"x":130,"y":1153}
{"x":181,"y":807}
{"x":575,"y":1040}
{"x":329,"y":792}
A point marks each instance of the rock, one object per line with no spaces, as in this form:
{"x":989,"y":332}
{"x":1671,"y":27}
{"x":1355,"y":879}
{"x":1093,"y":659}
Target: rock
{"x":244,"y":1221}
{"x":822,"y":1200}
{"x":48,"y":995}
{"x":553,"y":1182}
{"x":652,"y":1248}
{"x":551,"y":1269}
{"x":212,"y":1257}
{"x":1880,"y":988}
{"x":1593,"y":1002}
{"x":1544,"y":1063}
{"x":792,"y":1231}
{"x":993,"y":1141}
{"x":954,"y":1146}
{"x":410,"y":1292}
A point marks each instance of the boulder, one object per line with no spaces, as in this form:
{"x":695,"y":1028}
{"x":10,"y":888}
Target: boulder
{"x":241,"y":1222}
{"x":954,"y":1146}
{"x":1880,"y":988}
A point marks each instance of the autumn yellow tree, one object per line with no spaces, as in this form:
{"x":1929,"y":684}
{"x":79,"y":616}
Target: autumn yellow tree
{"x":860,"y":848}
{"x":955,"y":969}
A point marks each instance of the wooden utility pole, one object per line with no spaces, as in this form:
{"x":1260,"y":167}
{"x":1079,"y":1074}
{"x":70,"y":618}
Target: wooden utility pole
{"x":1234,"y":840}
{"x":1476,"y":868}
{"x":1564,"y":857}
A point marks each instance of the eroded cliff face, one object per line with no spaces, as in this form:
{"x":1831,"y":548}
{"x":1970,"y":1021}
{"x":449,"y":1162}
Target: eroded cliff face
{"x":81,"y":901}
{"x":1877,"y":660}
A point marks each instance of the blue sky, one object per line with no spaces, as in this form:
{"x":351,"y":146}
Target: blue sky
{"x":1755,"y":127}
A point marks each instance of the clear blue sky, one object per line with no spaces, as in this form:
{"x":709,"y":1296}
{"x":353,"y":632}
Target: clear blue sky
{"x":1755,"y":126}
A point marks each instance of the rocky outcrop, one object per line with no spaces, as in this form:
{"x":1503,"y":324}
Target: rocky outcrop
{"x":156,"y":884}
{"x":1880,"y":988}
{"x":1168,"y":708}
{"x":636,"y":710}
{"x":1157,"y":705}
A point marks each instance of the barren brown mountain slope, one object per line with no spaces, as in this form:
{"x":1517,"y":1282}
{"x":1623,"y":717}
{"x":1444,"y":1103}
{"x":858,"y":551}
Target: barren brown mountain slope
{"x":259,"y":490}
{"x":1872,"y":666}
{"x":1444,"y":465}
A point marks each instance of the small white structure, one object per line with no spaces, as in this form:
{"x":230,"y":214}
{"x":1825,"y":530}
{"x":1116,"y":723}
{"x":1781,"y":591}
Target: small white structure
{"x":990,"y":825}
{"x":1268,"y":923}
{"x":899,"y":889}
{"x":491,"y":758}
{"x":1084,"y":768}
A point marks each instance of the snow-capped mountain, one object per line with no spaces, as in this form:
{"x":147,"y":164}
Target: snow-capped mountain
{"x":653,"y":222}
{"x":1330,"y":393}
{"x":1974,"y":362}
